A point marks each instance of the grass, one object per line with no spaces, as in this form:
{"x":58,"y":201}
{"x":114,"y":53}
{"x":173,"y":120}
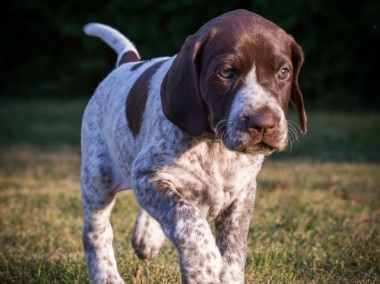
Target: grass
{"x":316,"y":218}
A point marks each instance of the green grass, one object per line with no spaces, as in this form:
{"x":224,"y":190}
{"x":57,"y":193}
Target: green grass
{"x":316,"y":219}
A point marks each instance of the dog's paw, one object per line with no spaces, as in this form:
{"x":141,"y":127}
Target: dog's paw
{"x":147,"y":248}
{"x":148,"y":237}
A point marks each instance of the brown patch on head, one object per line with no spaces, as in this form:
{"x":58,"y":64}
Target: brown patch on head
{"x":128,"y":56}
{"x":246,"y":41}
{"x":196,"y":98}
{"x":270,"y":53}
{"x":137,"y":98}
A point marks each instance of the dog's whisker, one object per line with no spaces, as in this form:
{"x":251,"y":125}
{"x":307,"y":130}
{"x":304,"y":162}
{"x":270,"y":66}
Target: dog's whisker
{"x":220,"y":129}
{"x":220,"y":122}
{"x":293,"y":127}
{"x":289,"y":147}
{"x":293,"y":137}
{"x":293,"y":134}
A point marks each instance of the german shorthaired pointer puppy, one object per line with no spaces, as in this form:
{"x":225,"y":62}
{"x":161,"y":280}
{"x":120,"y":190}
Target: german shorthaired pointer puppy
{"x":189,"y":134}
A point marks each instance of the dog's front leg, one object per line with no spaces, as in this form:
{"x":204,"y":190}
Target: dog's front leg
{"x":183,"y":224}
{"x":232,"y":230}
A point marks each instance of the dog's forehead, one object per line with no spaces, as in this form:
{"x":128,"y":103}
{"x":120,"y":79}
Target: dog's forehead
{"x":240,"y":23}
{"x":244,"y":41}
{"x":247,"y":34}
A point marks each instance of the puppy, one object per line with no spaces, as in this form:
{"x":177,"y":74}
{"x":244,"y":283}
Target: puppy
{"x":188,"y":134}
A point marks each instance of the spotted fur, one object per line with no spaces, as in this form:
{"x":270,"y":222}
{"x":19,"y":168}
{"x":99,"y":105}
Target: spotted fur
{"x":188,"y":134}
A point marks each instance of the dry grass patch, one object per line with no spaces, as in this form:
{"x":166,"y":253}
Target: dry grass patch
{"x":314,"y":222}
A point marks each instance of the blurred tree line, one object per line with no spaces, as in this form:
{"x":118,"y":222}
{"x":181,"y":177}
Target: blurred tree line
{"x":45,"y":53}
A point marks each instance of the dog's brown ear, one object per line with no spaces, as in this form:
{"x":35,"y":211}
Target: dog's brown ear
{"x":296,"y":98}
{"x":181,"y":100}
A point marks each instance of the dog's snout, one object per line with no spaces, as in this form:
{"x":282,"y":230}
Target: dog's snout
{"x":262,"y":123}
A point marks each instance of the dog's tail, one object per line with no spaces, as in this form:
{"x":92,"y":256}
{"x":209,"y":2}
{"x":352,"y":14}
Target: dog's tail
{"x":126,"y":51}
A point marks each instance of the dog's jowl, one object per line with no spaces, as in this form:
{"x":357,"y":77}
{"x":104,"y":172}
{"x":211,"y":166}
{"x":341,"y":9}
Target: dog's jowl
{"x":188,"y":134}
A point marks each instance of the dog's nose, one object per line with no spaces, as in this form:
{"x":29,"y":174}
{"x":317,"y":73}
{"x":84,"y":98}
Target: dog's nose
{"x":263,"y":123}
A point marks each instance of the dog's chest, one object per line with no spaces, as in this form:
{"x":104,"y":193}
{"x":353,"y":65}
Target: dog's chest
{"x":212,"y":177}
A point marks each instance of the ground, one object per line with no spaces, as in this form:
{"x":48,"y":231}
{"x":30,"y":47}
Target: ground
{"x":316,"y":218}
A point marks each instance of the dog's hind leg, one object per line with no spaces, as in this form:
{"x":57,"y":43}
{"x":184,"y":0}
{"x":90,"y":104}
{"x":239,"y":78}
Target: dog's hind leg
{"x":148,"y":237}
{"x":98,"y":198}
{"x":97,"y":232}
{"x":97,"y":238}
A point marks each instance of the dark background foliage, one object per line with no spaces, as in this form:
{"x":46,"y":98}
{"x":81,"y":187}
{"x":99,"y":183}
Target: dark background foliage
{"x":44,"y":52}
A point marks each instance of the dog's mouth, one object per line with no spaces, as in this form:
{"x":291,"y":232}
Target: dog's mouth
{"x":261,"y":148}
{"x":245,"y":142}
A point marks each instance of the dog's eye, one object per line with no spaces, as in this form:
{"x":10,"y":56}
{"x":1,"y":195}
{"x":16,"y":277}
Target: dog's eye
{"x":226,"y":73}
{"x":283,"y":73}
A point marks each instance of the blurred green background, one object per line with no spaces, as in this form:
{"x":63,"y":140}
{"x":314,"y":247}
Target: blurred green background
{"x":44,"y":52}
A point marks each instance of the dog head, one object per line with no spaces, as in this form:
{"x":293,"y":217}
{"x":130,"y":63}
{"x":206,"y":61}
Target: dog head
{"x":236,"y":77}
